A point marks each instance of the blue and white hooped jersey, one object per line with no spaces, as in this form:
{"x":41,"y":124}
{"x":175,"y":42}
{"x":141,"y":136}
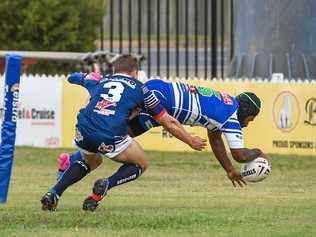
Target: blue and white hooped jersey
{"x":200,"y":106}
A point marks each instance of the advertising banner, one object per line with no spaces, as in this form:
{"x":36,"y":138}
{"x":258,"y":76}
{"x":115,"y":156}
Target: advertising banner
{"x":285,"y":125}
{"x":39,"y":111}
{"x":74,"y":97}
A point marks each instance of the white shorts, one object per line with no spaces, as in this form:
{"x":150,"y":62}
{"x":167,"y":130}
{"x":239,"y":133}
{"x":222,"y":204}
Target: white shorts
{"x":119,"y":148}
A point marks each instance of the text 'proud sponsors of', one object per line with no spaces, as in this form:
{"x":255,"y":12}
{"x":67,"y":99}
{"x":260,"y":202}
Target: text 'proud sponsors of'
{"x":294,"y":112}
{"x":294,"y":144}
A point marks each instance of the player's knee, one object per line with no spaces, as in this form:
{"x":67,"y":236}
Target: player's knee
{"x":98,"y":162}
{"x":95,"y":164}
{"x":144,"y":165}
{"x":93,"y":161}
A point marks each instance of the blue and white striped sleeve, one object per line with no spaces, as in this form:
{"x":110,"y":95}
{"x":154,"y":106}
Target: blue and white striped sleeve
{"x":152,"y":103}
{"x":233,"y":132}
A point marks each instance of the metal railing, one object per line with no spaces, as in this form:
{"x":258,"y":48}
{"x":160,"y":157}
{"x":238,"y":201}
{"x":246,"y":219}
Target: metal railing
{"x":187,"y":38}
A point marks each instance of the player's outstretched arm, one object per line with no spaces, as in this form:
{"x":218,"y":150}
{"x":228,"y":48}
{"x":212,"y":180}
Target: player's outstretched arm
{"x":218,"y":147}
{"x":243,"y":155}
{"x":176,"y":129}
{"x":88,"y":81}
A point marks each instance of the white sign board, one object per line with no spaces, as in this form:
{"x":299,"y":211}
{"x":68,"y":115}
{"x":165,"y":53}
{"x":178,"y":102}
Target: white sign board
{"x":39,"y":111}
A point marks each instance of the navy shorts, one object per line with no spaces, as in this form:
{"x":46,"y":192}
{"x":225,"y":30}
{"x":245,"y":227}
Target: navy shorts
{"x":105,"y":146}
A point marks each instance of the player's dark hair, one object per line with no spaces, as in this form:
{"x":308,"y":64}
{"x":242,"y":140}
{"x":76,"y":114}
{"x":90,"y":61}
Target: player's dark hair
{"x":249,"y":105}
{"x":125,"y":63}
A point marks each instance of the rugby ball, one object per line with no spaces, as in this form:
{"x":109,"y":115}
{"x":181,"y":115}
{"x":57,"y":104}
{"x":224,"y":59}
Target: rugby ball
{"x":256,"y":170}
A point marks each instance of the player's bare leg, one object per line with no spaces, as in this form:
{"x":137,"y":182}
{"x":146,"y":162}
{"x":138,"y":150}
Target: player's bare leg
{"x":134,"y":164}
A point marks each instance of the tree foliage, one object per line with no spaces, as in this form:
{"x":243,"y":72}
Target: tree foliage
{"x":50,"y":25}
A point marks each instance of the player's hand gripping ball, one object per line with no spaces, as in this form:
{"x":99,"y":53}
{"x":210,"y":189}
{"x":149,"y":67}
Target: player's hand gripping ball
{"x":256,"y":170}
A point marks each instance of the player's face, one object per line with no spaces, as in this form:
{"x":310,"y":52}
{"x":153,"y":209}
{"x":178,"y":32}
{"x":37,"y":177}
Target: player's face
{"x":248,"y":120}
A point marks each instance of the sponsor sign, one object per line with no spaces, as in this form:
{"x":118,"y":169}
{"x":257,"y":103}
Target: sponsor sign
{"x":73,"y":99}
{"x":285,"y":125}
{"x":38,"y":112}
{"x":310,"y":112}
{"x":286,"y":111}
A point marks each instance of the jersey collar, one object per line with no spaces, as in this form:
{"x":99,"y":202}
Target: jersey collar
{"x":122,"y":74}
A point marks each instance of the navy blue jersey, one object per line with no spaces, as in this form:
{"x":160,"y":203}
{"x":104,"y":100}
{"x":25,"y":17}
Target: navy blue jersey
{"x":112,"y":101}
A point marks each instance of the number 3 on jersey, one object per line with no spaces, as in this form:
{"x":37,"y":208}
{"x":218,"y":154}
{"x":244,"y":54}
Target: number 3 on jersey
{"x":115,"y":91}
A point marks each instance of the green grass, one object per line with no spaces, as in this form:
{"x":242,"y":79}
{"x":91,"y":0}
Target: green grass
{"x":181,"y":194}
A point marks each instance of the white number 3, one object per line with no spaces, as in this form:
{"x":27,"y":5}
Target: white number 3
{"x":115,"y":91}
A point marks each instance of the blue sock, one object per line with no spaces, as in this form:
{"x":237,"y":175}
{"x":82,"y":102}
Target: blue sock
{"x":75,"y":156}
{"x":73,"y":174}
{"x":124,"y":174}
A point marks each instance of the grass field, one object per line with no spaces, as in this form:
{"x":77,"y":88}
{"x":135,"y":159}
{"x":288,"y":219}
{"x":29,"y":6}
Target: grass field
{"x":181,"y":194}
